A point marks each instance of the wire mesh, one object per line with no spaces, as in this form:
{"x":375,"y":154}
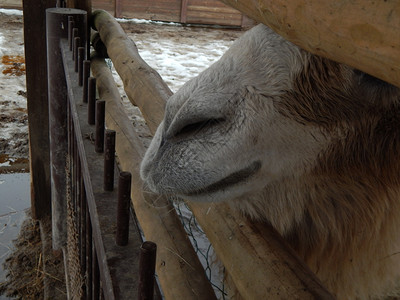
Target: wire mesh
{"x":204,"y":250}
{"x":74,"y":280}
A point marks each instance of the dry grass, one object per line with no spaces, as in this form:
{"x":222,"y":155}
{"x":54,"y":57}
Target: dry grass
{"x":26,"y":266}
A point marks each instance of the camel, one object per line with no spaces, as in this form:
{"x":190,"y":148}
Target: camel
{"x":307,"y":144}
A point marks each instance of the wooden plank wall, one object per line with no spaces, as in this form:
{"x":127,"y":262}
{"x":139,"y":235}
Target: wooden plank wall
{"x":211,"y":12}
{"x":160,"y":10}
{"x":182,"y":11}
{"x":107,"y":5}
{"x":13,"y":4}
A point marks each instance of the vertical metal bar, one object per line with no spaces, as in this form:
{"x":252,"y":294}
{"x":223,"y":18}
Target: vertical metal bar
{"x":124,"y":199}
{"x":74,"y":35}
{"x":83,"y":233}
{"x":91,"y":100}
{"x":109,"y":160}
{"x":81,"y":58}
{"x":57,"y":121}
{"x":71,"y":25}
{"x":100,"y":126}
{"x":96,"y":275}
{"x":56,"y":25}
{"x":70,"y":131}
{"x":77,"y":44}
{"x":78,"y":196}
{"x":86,"y":74}
{"x":147,"y":263}
{"x":75,"y":175}
{"x":89,"y":253}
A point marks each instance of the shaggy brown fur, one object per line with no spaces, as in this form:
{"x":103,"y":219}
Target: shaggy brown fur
{"x":351,"y":224}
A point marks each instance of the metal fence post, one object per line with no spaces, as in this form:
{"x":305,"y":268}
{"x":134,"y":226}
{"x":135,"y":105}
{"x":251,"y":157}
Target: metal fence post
{"x":56,"y":29}
{"x":147,"y":265}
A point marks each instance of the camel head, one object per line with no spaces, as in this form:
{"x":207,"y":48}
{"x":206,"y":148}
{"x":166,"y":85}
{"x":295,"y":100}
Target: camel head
{"x":266,"y":113}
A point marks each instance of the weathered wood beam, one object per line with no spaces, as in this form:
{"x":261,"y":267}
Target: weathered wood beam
{"x":260,"y":263}
{"x":178,"y":267}
{"x":257,"y":259}
{"x":142,"y":84}
{"x":38,"y":107}
{"x":364,"y":34}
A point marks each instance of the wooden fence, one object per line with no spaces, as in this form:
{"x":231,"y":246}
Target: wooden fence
{"x":182,"y":11}
{"x":362,"y":34}
{"x":208,"y":12}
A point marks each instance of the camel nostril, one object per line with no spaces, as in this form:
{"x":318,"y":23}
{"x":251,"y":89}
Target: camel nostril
{"x":196,"y":127}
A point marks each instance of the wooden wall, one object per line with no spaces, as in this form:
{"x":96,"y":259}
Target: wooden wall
{"x":160,"y":10}
{"x":183,"y":11}
{"x":210,"y":12}
{"x":108,"y":5}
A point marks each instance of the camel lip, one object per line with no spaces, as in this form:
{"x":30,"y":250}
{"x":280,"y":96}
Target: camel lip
{"x":232,"y":179}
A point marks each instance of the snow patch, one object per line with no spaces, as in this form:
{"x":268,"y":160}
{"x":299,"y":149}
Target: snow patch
{"x":11,"y":12}
{"x":143,"y":21}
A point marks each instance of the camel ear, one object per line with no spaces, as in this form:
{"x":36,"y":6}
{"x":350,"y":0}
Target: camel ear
{"x":376,"y":90}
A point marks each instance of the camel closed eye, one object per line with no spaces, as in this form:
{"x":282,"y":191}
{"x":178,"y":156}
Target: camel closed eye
{"x":196,"y":127}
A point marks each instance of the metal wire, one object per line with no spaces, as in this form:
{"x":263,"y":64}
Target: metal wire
{"x":204,"y":250}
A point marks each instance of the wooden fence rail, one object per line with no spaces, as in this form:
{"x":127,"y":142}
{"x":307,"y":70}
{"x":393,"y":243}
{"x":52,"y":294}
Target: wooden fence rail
{"x":364,"y":34}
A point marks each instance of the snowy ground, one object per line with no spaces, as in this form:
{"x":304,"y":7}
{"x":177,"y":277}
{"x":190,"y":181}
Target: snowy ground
{"x":13,"y":112}
{"x":178,"y":53}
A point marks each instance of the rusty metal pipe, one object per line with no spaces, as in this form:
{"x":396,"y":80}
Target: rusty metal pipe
{"x":86,"y":74}
{"x":74,"y":35}
{"x":71,"y":25}
{"x":77,"y":44}
{"x":124,"y":201}
{"x":147,"y":265}
{"x":91,"y":100}
{"x":81,"y":58}
{"x":100,"y":126}
{"x":109,"y":160}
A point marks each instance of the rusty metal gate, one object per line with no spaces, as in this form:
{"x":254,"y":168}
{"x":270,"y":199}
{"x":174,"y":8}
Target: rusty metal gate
{"x":92,"y":217}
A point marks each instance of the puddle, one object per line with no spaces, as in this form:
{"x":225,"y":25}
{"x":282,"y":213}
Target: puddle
{"x":14,"y":201}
